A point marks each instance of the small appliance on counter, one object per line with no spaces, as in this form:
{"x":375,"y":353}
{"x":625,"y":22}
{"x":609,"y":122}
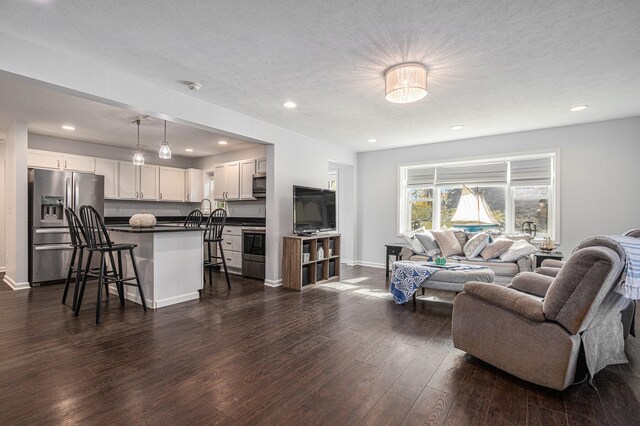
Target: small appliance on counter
{"x":50,"y":191}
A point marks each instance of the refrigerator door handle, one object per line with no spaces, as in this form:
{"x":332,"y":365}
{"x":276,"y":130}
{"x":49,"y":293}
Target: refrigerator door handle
{"x":68,"y":195}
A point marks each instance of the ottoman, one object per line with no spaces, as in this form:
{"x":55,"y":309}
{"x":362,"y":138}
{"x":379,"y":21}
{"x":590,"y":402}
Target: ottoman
{"x":452,"y":280}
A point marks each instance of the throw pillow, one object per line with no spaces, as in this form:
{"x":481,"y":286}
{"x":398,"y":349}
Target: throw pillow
{"x":475,"y":245}
{"x":412,"y":241}
{"x":518,"y":249}
{"x":429,"y":243}
{"x":462,"y":236}
{"x":449,"y":245}
{"x":496,"y":248}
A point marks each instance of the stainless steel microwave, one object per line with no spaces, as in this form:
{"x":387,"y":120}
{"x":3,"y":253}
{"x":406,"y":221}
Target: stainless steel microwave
{"x":260,"y":185}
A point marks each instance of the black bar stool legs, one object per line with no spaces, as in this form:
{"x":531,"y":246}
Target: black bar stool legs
{"x":224,"y":265}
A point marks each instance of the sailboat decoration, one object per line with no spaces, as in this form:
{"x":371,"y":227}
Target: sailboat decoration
{"x":473,"y":212}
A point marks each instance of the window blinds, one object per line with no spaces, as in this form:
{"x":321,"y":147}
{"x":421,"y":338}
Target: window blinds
{"x":473,"y":173}
{"x":531,"y":172}
{"x":423,"y":176}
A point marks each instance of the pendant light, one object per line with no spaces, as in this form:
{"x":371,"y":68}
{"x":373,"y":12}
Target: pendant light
{"x":165,"y":151}
{"x":138,"y":158}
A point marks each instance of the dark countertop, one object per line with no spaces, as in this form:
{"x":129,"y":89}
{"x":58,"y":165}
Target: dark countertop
{"x":157,"y":228}
{"x":231,"y":221}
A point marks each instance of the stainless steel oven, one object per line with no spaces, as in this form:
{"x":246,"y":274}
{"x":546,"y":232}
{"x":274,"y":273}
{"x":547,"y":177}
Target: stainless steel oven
{"x":253,"y":252}
{"x":259,"y":185}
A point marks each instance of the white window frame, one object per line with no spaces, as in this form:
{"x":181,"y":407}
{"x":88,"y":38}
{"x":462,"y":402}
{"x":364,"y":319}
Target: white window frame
{"x":403,"y":211}
{"x":407,"y":209}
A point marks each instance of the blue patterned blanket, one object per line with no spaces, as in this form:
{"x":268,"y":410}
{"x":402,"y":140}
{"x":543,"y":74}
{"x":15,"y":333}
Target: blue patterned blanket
{"x":631,"y":285}
{"x":407,"y":277}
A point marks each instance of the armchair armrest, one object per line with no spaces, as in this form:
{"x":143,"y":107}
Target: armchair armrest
{"x":508,"y":299}
{"x":548,"y":271}
{"x":532,"y":283}
{"x":553,"y":263}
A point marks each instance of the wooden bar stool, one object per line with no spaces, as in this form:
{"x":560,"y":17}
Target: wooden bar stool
{"x":194,"y":220}
{"x":78,"y":242}
{"x":98,"y":241}
{"x":213,"y":235}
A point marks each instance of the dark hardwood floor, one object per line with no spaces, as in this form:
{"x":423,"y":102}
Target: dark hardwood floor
{"x":342,"y":353}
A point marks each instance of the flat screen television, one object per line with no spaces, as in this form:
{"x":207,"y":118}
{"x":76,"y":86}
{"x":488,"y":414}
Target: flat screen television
{"x":314,"y":210}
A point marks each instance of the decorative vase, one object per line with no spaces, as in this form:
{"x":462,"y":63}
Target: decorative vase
{"x":320,"y":253}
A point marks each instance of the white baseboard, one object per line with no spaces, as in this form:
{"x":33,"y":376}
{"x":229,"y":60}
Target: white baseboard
{"x":131,"y":296}
{"x":3,"y":269}
{"x":348,"y":262}
{"x":14,"y":285}
{"x":272,"y":283}
{"x":370,"y":264}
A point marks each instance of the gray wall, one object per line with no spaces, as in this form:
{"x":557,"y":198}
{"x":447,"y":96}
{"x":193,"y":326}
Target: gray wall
{"x":598,"y":169}
{"x":68,"y":146}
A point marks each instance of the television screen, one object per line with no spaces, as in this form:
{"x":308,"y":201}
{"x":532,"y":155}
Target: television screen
{"x":314,"y":209}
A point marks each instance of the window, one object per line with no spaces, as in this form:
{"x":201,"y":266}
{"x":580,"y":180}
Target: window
{"x":420,"y":207}
{"x":531,"y":204}
{"x":517,"y":190}
{"x":493,"y":195}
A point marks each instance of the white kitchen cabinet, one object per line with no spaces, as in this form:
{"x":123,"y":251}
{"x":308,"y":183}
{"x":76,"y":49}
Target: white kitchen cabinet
{"x":193,"y":185}
{"x":43,"y":159}
{"x":233,"y":180}
{"x":149,"y":182}
{"x":232,"y":246}
{"x":171,"y":184}
{"x":128,"y":181}
{"x":108,"y":169}
{"x":219,"y":182}
{"x":247,"y":169}
{"x":261,"y":165}
{"x":78,"y":163}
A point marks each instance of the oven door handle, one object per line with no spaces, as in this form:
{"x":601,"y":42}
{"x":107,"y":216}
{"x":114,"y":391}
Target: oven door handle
{"x":53,"y":247}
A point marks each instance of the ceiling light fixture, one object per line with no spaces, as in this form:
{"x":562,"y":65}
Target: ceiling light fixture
{"x":138,"y":158}
{"x":223,"y":142}
{"x":165,"y":151}
{"x":189,"y":149}
{"x":578,"y":108}
{"x":192,"y":85}
{"x":68,"y":127}
{"x":405,"y":83}
{"x":289,"y":104}
{"x":457,"y":127}
{"x":372,"y":140}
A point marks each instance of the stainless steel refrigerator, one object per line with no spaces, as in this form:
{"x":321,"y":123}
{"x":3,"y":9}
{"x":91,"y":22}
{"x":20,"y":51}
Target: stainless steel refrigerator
{"x":50,"y":191}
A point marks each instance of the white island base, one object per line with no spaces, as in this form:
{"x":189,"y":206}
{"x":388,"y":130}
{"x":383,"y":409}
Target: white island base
{"x":169,"y":264}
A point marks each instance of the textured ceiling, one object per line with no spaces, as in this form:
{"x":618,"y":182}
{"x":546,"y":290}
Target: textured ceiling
{"x":496,"y":66}
{"x":47,"y":111}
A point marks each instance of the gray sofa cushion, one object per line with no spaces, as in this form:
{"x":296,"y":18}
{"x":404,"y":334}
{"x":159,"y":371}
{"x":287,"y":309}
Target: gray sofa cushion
{"x":429,"y":243}
{"x":448,"y":243}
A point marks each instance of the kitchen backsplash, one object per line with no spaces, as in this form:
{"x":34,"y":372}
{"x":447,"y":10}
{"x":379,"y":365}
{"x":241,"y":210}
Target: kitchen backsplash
{"x":246,"y":208}
{"x":157,"y":208}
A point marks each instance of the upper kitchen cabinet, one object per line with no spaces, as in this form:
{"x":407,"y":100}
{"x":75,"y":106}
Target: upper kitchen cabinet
{"x":226,"y":181}
{"x":44,"y":159}
{"x":193,"y":185}
{"x":234,"y":180}
{"x":128,"y":181}
{"x":261,"y":165}
{"x":108,"y":169}
{"x":138,"y":182}
{"x":247,"y":169}
{"x":78,"y":163}
{"x":171,"y":184}
{"x":57,"y":161}
{"x":149,"y":182}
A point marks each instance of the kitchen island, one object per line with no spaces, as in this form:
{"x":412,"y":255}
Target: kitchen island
{"x":169,"y":260}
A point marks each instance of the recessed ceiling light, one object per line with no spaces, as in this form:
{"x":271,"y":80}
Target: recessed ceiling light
{"x":372,"y":140}
{"x":189,"y":149}
{"x":223,"y":142}
{"x":68,"y":127}
{"x":289,"y":104}
{"x":457,"y":127}
{"x":578,"y":108}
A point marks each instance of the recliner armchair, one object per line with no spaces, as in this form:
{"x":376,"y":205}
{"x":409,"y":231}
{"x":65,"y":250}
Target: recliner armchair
{"x":532,"y":328}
